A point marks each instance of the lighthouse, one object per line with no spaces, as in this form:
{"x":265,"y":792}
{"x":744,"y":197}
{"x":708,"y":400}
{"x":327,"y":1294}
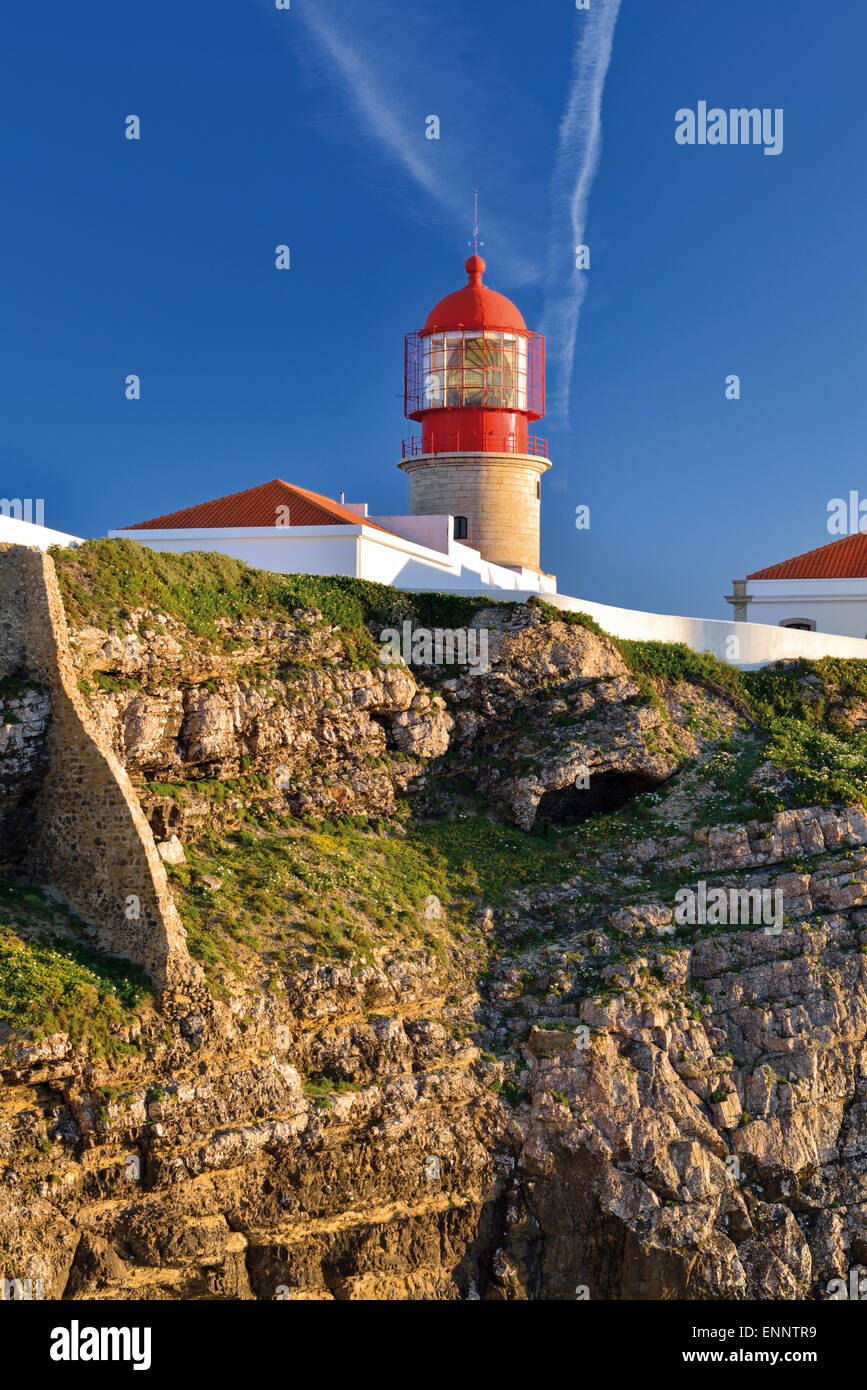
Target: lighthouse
{"x":474,"y":379}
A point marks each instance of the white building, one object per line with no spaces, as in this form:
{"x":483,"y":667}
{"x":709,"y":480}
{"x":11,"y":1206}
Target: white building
{"x":277,"y":526}
{"x":824,"y":590}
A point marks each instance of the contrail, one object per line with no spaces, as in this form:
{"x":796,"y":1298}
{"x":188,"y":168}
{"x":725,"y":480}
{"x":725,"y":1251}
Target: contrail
{"x":373,"y":102}
{"x":578,"y":150}
{"x":374,"y":106}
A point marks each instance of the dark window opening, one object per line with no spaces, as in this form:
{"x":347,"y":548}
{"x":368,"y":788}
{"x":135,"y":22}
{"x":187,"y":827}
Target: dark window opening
{"x":538,"y":489}
{"x":460,"y":528}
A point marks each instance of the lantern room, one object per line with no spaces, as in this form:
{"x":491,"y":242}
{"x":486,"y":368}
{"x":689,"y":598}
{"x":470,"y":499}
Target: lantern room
{"x":475,"y":375}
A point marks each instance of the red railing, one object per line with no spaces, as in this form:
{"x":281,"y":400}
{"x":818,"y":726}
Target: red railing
{"x":536,"y":445}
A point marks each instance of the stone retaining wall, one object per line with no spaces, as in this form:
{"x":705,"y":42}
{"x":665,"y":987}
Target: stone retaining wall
{"x":91,"y":842}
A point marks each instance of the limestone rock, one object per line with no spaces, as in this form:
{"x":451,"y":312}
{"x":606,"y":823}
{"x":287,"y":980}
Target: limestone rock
{"x":171,"y":851}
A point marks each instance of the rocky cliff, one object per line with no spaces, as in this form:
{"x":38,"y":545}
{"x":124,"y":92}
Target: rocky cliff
{"x":456,"y":1035}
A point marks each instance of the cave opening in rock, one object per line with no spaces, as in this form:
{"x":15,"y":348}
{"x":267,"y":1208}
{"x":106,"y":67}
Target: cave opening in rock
{"x":607,"y":791}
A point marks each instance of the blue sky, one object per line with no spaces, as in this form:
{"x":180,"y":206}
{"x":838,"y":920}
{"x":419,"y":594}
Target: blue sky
{"x":307,"y":127}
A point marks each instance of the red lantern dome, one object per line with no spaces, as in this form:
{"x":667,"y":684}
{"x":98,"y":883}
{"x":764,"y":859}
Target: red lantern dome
{"x":475,"y":374}
{"x":475,"y":306}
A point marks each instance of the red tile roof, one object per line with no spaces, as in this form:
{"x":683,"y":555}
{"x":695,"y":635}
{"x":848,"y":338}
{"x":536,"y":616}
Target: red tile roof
{"x":842,"y":559}
{"x":259,"y":506}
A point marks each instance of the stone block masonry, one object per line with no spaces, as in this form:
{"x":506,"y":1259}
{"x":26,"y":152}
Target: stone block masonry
{"x":91,"y":842}
{"x":495,"y":492}
{"x":24,"y":716}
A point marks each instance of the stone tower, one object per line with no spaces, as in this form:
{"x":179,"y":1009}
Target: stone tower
{"x":475,"y":377}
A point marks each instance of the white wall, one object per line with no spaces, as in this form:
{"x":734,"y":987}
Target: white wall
{"x":834,"y":605}
{"x":410,"y":566}
{"x":15,"y":532}
{"x":435,"y":532}
{"x":291,"y":549}
{"x":352,"y":550}
{"x":754,"y":644}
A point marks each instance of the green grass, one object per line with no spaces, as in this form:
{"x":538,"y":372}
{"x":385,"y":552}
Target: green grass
{"x":565,"y":615}
{"x":675,"y":661}
{"x":213,"y":790}
{"x":103,"y":581}
{"x":13,"y":687}
{"x":725,"y":777}
{"x":302,"y":893}
{"x":50,"y":983}
{"x":483,"y":858}
{"x":807,"y":691}
{"x":828,"y":768}
{"x":297,"y":894}
{"x":802,"y":709}
{"x":114,"y":685}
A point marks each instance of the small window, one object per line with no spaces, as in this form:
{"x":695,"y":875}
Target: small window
{"x":460,"y":528}
{"x":538,"y":489}
{"x":799,"y":624}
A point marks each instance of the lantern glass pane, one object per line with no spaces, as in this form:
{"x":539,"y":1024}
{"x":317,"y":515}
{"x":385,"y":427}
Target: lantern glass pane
{"x":483,"y":369}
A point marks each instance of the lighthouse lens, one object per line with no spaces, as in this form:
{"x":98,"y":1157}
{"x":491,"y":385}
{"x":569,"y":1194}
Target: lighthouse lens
{"x":481,"y":370}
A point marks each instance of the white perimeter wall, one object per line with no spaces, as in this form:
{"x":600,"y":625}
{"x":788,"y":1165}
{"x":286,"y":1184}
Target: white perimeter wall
{"x":14,"y":532}
{"x":409,"y":566}
{"x":754,"y":644}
